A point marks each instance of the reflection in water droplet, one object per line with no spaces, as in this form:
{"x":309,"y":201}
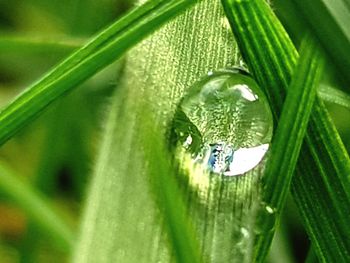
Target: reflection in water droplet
{"x":224,"y":123}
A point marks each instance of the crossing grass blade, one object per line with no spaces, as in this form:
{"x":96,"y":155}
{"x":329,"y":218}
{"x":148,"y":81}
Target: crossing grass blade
{"x":37,"y":45}
{"x":289,"y":136}
{"x":168,"y":196}
{"x":329,"y":20}
{"x":333,"y":95}
{"x":321,"y":184}
{"x":106,"y":47}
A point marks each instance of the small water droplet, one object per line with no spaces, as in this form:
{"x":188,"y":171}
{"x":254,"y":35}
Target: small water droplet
{"x":270,"y":209}
{"x":210,"y":73}
{"x":224,"y":123}
{"x":245,"y":232}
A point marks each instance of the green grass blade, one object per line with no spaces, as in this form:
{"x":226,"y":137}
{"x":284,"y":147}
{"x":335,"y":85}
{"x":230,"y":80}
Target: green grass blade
{"x":66,"y":145}
{"x":329,"y":21}
{"x":36,"y":207}
{"x":333,"y":95}
{"x":37,"y":45}
{"x":288,"y":15}
{"x":325,"y":220}
{"x":167,"y":193}
{"x":321,"y":186}
{"x":288,"y":138}
{"x":105,"y":48}
{"x":311,"y":256}
{"x":281,"y":248}
{"x":121,"y":222}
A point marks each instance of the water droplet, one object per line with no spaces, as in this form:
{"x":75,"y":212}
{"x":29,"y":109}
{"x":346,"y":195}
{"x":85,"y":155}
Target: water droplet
{"x":224,"y":123}
{"x":269,"y":209}
{"x":245,"y":232}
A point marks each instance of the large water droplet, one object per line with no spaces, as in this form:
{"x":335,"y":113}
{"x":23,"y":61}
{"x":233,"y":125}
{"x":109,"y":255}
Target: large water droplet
{"x":224,"y":123}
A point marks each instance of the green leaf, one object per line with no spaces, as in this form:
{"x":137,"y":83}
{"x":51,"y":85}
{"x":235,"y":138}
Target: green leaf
{"x":321,"y":185}
{"x":167,"y":193}
{"x":105,"y":48}
{"x":311,"y":256}
{"x":281,"y":249}
{"x":288,"y":15}
{"x":37,"y":45}
{"x":333,"y":32}
{"x":36,"y":207}
{"x":122,"y":221}
{"x":288,"y":137}
{"x":333,"y":95}
{"x":66,"y":145}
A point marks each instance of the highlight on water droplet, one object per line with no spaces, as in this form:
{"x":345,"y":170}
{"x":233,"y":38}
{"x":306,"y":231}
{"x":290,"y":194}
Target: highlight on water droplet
{"x":270,"y":209}
{"x":223,"y":123}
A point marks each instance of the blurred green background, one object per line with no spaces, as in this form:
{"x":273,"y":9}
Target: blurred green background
{"x":56,"y":153}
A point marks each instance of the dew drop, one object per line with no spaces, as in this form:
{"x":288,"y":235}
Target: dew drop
{"x":245,"y":232}
{"x":224,"y":123}
{"x":269,"y":209}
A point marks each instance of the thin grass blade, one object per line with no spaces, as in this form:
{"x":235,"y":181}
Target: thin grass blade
{"x":289,"y":137}
{"x":333,"y":95}
{"x":321,"y":185}
{"x":168,"y":196}
{"x":105,"y":48}
{"x":37,"y":45}
{"x":329,"y":22}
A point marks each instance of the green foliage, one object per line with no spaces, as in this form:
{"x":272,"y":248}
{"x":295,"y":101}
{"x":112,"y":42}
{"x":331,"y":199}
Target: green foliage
{"x":36,"y":207}
{"x":333,"y":32}
{"x":289,"y":136}
{"x":218,"y":209}
{"x":144,"y":205}
{"x":169,"y":198}
{"x":324,"y":164}
{"x":32,"y":45}
{"x":105,"y":48}
{"x":335,"y":96}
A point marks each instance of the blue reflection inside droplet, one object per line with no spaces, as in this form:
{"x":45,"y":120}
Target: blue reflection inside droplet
{"x":219,"y":157}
